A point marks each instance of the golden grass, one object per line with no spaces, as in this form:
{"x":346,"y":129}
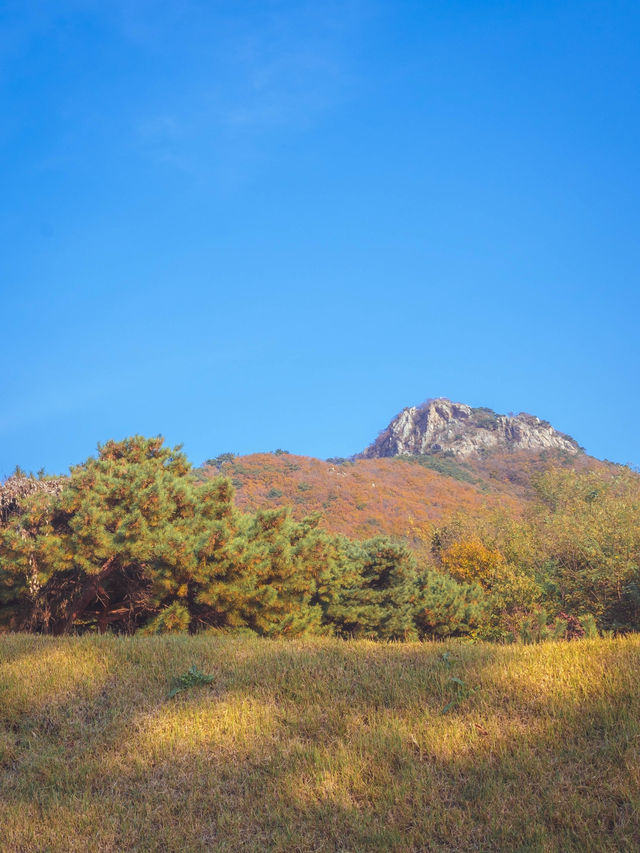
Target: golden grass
{"x":318,"y":745}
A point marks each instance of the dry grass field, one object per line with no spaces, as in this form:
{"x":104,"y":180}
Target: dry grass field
{"x":318,"y":745}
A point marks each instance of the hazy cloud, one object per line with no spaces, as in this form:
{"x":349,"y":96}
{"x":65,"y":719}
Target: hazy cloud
{"x":258,"y":78}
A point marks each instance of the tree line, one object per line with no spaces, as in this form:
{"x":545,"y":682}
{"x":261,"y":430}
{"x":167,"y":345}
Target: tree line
{"x":133,"y":541}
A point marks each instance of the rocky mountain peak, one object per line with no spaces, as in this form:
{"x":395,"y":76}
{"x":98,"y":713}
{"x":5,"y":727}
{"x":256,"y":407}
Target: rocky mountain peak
{"x":441,"y":425}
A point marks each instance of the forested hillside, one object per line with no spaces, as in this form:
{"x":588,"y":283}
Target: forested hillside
{"x":535,"y":546}
{"x":362,"y":497}
{"x":399,"y":496}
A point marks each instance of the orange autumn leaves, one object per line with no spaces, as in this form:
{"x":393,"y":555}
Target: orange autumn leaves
{"x":360,"y":499}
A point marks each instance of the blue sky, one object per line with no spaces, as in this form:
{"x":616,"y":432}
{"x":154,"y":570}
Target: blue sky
{"x":275,"y":224}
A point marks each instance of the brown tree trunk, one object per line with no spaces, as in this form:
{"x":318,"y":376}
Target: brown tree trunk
{"x":86,"y":597}
{"x":113,"y":614}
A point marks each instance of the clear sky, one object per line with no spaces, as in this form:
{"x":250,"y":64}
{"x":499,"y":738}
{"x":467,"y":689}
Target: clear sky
{"x":252,"y":225}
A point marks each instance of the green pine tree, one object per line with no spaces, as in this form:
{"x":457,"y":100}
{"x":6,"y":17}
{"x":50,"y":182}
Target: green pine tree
{"x":221,"y":582}
{"x":380,"y":600}
{"x":446,"y":607}
{"x":114,"y":547}
{"x":282,"y":572}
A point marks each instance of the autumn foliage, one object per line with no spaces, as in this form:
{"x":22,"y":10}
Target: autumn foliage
{"x":361,"y":498}
{"x":135,"y":539}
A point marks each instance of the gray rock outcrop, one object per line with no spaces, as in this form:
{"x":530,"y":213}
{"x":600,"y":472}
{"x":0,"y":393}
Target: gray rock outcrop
{"x":440,"y":425}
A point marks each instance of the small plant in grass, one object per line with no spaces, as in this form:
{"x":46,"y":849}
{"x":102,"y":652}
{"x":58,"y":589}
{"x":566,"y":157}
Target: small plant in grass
{"x":535,"y":627}
{"x":191,"y":678}
{"x":446,"y":659}
{"x":589,"y":626}
{"x":462,"y":691}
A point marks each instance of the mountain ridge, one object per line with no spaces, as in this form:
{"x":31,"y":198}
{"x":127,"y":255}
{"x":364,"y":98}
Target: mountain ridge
{"x":473,"y":459}
{"x":440,"y":425}
{"x":431,"y":460}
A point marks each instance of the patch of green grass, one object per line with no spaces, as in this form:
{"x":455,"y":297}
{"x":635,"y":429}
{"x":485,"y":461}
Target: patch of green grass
{"x":191,"y":678}
{"x":318,"y":745}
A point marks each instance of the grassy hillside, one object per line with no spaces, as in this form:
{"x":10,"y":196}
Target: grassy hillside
{"x":318,"y":745}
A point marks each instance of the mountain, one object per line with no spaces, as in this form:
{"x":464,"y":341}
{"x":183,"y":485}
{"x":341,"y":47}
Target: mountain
{"x":457,"y":430}
{"x":431,"y":461}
